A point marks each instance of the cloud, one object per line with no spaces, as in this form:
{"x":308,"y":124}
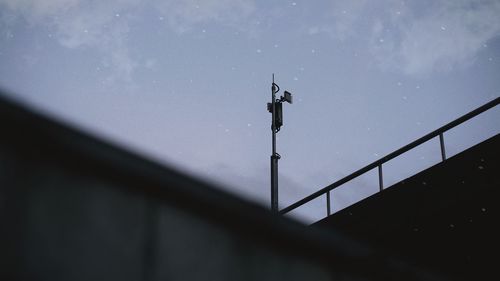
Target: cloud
{"x":448,"y":35}
{"x":36,"y":10}
{"x":78,"y":24}
{"x":347,"y":16}
{"x":419,"y":37}
{"x":105,"y":25}
{"x":183,"y":15}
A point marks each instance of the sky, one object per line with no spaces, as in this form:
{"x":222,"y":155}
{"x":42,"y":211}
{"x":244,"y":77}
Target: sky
{"x":186,"y":83}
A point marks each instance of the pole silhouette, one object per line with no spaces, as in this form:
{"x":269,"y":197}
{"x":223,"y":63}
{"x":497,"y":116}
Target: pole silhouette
{"x":275,"y":107}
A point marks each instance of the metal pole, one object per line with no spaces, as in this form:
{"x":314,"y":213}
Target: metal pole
{"x":380,"y":178}
{"x":443,"y":152}
{"x":328,"y":210}
{"x":274,"y":156}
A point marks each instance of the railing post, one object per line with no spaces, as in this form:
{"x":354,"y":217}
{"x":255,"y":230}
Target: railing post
{"x":443,"y":152}
{"x":328,"y":210}
{"x":380,"y":179}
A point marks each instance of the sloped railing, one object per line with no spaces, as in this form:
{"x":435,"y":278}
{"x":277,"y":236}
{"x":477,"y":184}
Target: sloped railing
{"x":378,"y":164}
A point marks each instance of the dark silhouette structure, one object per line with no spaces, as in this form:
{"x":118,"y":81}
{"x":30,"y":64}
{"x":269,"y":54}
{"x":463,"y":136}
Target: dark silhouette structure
{"x":73,"y":207}
{"x":275,"y":107}
{"x":444,"y":218}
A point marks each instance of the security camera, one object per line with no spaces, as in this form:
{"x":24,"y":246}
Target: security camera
{"x":288,"y":97}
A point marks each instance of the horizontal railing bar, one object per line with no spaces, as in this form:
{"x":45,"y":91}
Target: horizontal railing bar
{"x":394,"y":154}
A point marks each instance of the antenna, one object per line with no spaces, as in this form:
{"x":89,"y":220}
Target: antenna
{"x":275,"y":107}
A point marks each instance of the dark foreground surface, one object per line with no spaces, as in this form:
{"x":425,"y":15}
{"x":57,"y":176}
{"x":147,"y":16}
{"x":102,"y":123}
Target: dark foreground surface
{"x":444,"y":218}
{"x":73,"y":207}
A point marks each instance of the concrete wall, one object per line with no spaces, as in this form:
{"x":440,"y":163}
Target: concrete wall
{"x":63,"y":225}
{"x":75,"y":208}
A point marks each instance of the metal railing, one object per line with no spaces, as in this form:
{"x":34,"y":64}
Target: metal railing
{"x":439,"y":132}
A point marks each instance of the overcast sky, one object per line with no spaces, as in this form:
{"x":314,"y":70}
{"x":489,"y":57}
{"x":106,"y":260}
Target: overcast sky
{"x":186,"y":83}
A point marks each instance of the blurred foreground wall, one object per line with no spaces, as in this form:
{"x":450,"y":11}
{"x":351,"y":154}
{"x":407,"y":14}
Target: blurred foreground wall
{"x":75,"y":208}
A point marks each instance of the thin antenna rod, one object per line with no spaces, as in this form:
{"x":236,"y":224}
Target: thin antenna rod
{"x":274,"y":156}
